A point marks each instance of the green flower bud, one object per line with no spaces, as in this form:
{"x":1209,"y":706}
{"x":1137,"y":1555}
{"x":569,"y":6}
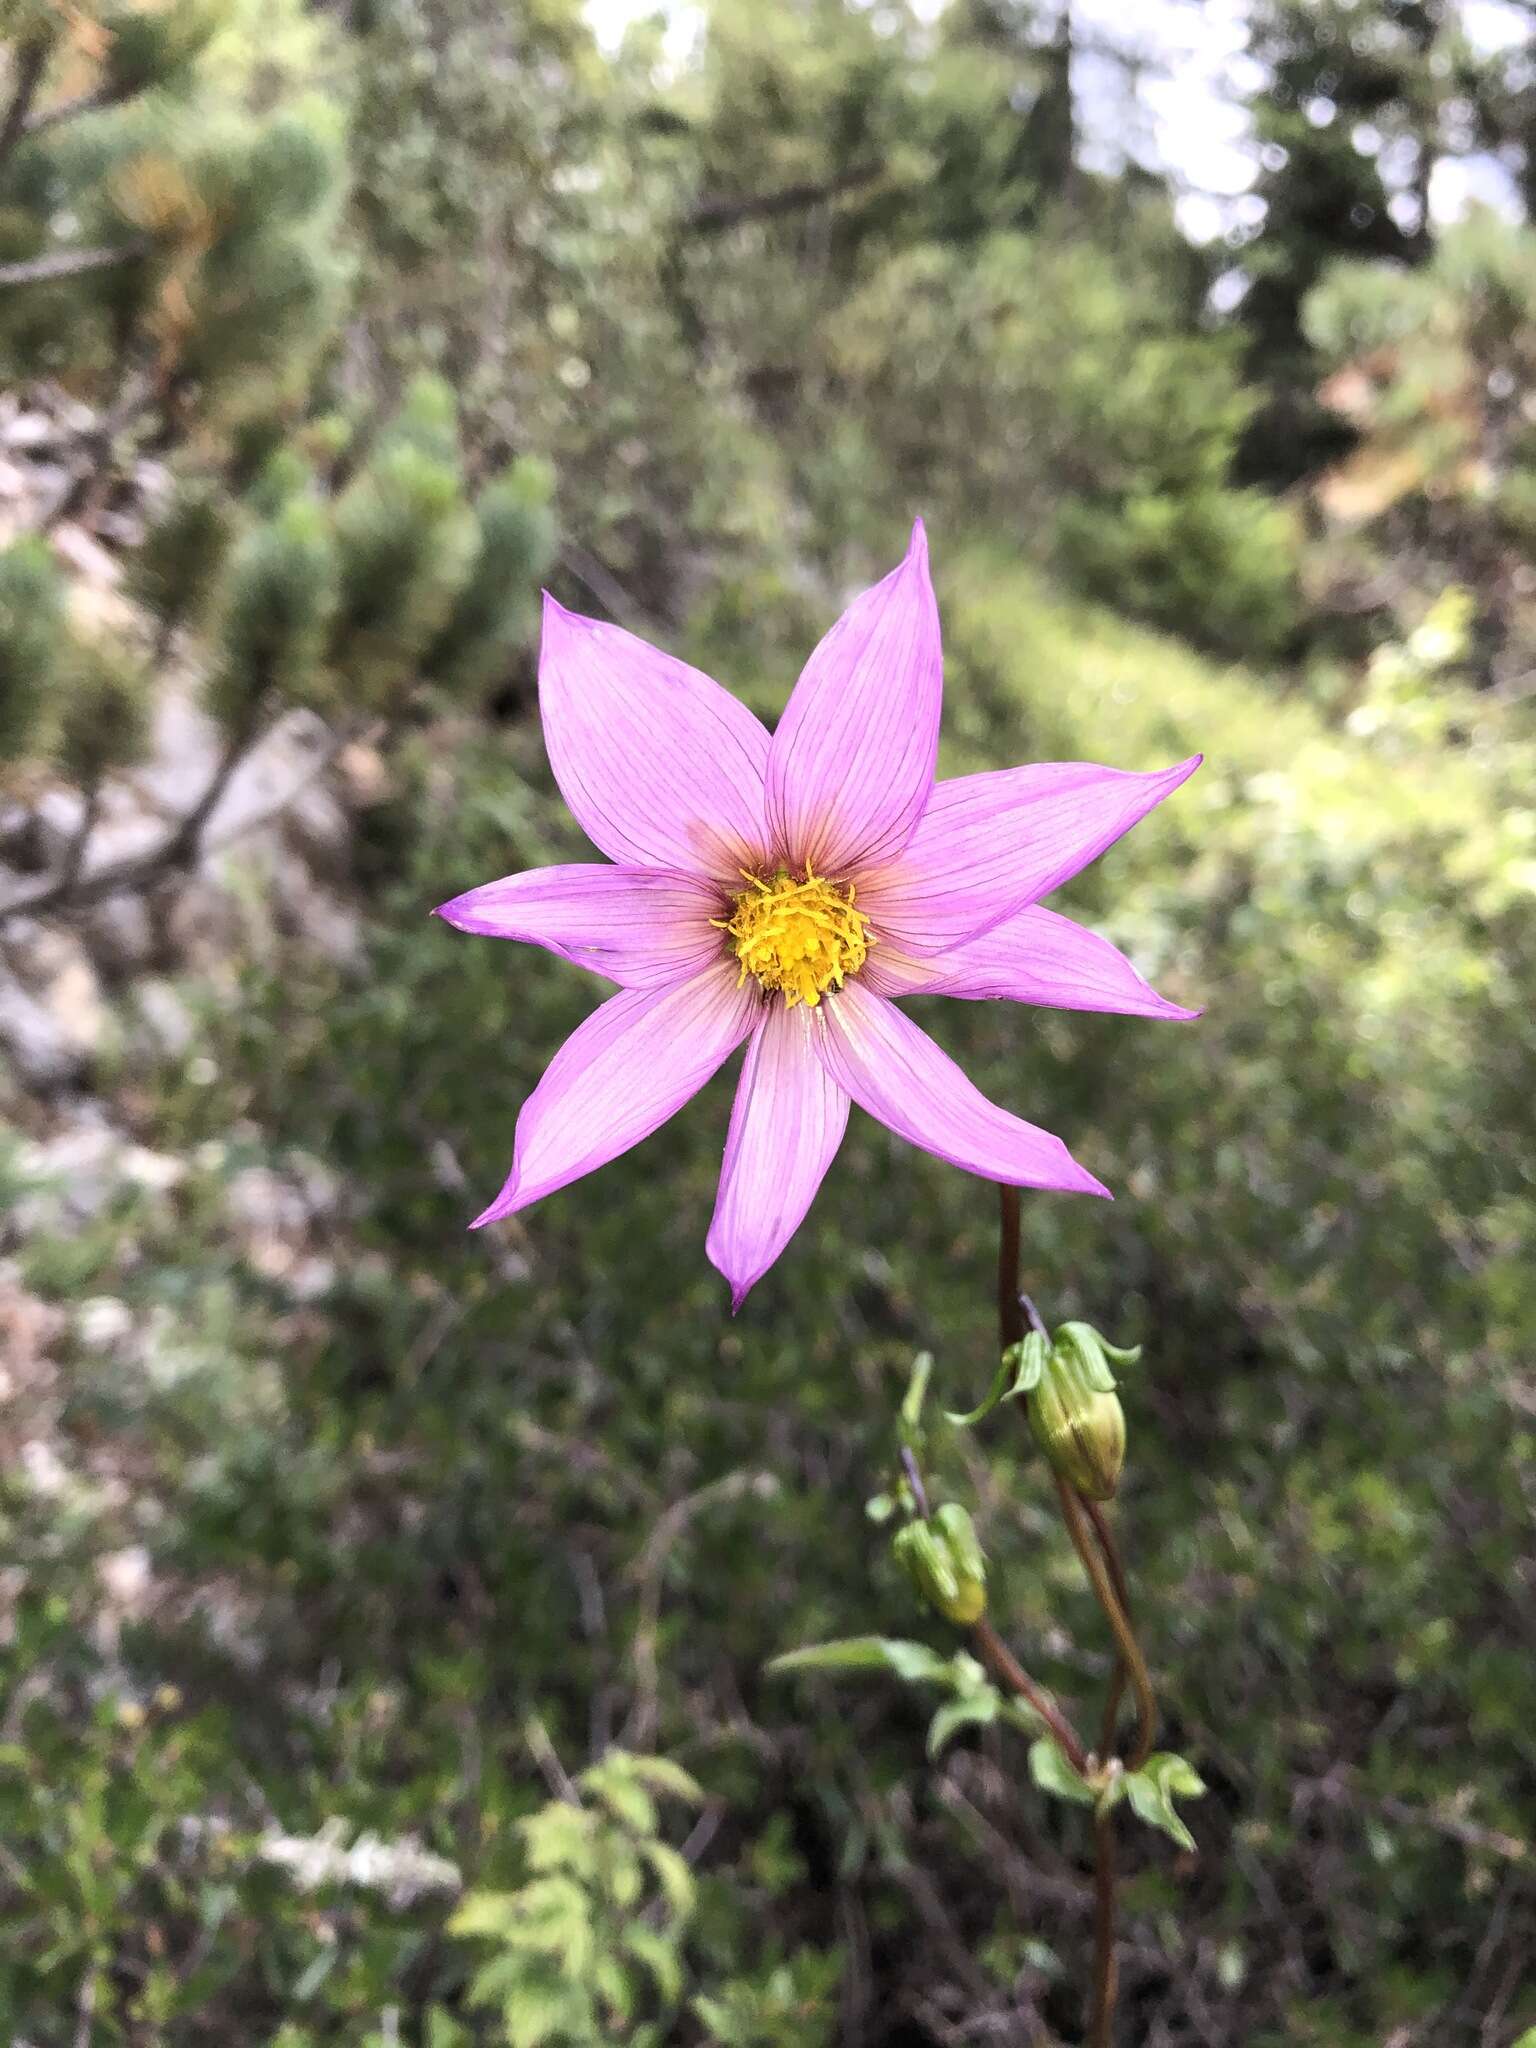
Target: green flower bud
{"x":945,"y":1563}
{"x":1075,"y":1413}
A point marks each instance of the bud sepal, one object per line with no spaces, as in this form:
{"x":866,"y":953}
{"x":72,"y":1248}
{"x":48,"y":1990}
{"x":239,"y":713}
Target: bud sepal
{"x":1075,"y":1413}
{"x":946,"y":1564}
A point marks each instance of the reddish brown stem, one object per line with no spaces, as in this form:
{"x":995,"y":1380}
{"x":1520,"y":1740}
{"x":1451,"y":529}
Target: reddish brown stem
{"x":1081,"y":1530}
{"x":1008,"y":1671}
{"x":1106,"y":1968}
{"x":1103,"y":1529}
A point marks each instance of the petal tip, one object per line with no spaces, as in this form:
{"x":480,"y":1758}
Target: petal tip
{"x":504,"y":1205}
{"x":450,"y":912}
{"x":917,"y":545}
{"x":556,"y":617}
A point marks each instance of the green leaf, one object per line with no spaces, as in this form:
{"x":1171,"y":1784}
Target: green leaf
{"x":658,"y":1956}
{"x":1052,"y":1773}
{"x":973,"y":1709}
{"x":559,"y":1836}
{"x":626,"y":1800}
{"x":665,"y":1777}
{"x":911,"y":1419}
{"x":910,"y":1661}
{"x":443,"y":2031}
{"x":485,"y":1913}
{"x":623,"y":1876}
{"x":1153,"y":1789}
{"x":614,"y":1987}
{"x":539,"y":2012}
{"x":320,"y":1967}
{"x":673,"y":1875}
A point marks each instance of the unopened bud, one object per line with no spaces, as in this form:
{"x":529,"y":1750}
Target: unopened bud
{"x":1075,"y":1413}
{"x":945,"y":1563}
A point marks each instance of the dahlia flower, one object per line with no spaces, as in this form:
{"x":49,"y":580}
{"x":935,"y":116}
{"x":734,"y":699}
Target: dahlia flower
{"x":783,"y":892}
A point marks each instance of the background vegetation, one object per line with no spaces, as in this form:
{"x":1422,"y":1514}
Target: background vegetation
{"x":385,"y":1609}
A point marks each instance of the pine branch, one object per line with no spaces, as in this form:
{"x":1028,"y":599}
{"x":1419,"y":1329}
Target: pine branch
{"x":94,"y":102}
{"x":715,"y":216}
{"x":31,"y":62}
{"x":71,"y":262}
{"x":184,"y":845}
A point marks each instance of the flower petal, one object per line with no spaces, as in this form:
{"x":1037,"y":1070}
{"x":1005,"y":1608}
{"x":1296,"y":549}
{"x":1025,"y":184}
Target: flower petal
{"x":619,"y":1076}
{"x":642,"y":927}
{"x":786,"y":1125}
{"x":1035,"y":956}
{"x":989,"y":844}
{"x":852,"y":760}
{"x":897,"y":1073}
{"x":659,"y":765}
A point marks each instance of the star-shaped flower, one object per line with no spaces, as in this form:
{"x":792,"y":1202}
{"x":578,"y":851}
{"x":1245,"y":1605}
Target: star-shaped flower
{"x":781,"y":892}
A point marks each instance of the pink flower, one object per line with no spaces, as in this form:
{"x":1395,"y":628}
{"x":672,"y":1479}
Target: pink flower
{"x":779,"y":892}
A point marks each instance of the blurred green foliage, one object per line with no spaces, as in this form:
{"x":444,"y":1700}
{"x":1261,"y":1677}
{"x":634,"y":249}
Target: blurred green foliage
{"x":486,"y":1480}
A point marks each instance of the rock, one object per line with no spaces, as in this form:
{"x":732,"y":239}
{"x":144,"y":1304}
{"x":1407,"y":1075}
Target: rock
{"x":271,"y":778}
{"x":83,"y":553}
{"x":102,"y":1322}
{"x":52,"y":1017}
{"x":29,"y":430}
{"x":167,"y":1020}
{"x":204,"y":924}
{"x":77,"y":1172}
{"x":120,"y":933}
{"x":32,"y":1041}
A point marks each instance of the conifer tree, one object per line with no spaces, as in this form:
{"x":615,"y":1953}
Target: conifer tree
{"x":300,"y":555}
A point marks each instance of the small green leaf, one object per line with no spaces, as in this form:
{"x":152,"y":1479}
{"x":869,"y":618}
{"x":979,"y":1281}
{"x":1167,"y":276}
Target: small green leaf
{"x":917,"y":1392}
{"x":1021,"y":1715}
{"x":673,"y":1875}
{"x":485,"y":1913}
{"x":623,"y":1876}
{"x":624,"y":1798}
{"x":973,"y":1710}
{"x":665,"y":1777}
{"x":910,"y":1661}
{"x":1153,"y":1789}
{"x":658,"y":1956}
{"x":1052,"y":1773}
{"x":320,"y":1967}
{"x":443,"y":2031}
{"x":559,"y":1836}
{"x":614,"y":1987}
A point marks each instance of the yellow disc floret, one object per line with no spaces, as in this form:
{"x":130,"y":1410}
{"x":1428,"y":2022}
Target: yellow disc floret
{"x":799,"y":938}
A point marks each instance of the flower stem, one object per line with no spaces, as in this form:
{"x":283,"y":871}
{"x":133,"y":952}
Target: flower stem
{"x":1106,"y":1970}
{"x":1095,"y":1563}
{"x":1007,"y":1669}
{"x":1093,"y":1539}
{"x":1104,"y":1529}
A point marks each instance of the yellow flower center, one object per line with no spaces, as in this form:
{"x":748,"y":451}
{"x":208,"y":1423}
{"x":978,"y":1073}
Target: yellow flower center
{"x":801,"y":938}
